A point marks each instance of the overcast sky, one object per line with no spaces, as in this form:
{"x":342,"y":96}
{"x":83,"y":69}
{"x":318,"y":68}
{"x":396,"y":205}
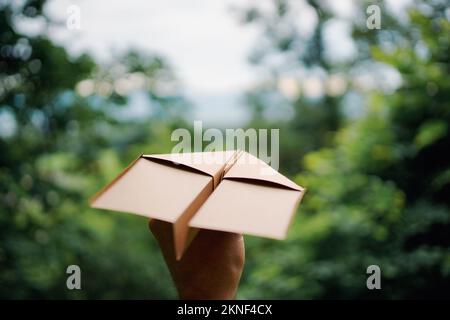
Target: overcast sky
{"x":202,"y":40}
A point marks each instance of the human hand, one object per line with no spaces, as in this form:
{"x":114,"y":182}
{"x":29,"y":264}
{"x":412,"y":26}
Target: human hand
{"x":211,"y":267}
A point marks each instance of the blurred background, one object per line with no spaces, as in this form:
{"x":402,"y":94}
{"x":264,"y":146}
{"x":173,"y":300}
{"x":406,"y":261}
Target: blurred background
{"x":364,"y":118}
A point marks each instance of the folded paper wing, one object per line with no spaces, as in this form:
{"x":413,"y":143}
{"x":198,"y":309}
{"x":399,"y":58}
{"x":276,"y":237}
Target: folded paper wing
{"x":252,"y":198}
{"x":228,"y":191}
{"x":166,"y":187}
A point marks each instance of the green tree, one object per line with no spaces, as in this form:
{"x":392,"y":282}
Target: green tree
{"x":278,"y":101}
{"x":65,"y":134}
{"x":379,"y":194}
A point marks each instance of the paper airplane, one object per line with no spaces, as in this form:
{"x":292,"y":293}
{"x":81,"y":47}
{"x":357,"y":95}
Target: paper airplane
{"x":229,"y":191}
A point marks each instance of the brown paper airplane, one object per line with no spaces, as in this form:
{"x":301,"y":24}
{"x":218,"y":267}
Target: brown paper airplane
{"x":229,"y":191}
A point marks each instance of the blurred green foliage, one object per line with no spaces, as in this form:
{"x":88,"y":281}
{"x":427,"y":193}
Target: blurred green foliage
{"x":378,"y":187}
{"x":64,"y":147}
{"x":378,"y":183}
